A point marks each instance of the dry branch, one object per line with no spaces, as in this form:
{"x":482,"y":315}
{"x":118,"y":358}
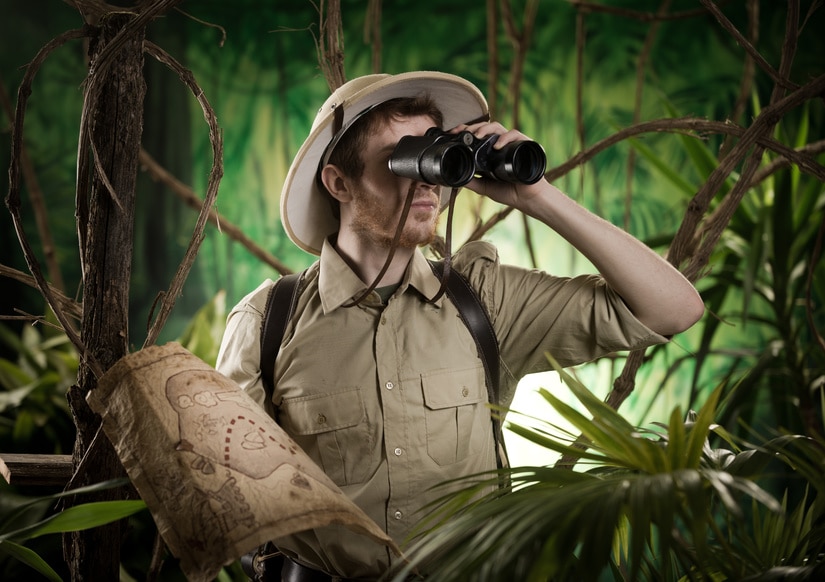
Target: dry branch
{"x":330,"y":44}
{"x":521,"y":42}
{"x":682,"y":248}
{"x":492,"y":58}
{"x":185,"y":193}
{"x":215,"y":175}
{"x":584,"y":6}
{"x":684,"y":243}
{"x":749,"y":147}
{"x":372,"y":33}
{"x":13,"y":197}
{"x":38,"y":203}
{"x":68,"y":305}
{"x":113,"y":105}
{"x":641,"y":65}
{"x":581,"y":40}
{"x":775,"y":76}
{"x":94,"y":82}
{"x":692,"y":126}
{"x":748,"y":72}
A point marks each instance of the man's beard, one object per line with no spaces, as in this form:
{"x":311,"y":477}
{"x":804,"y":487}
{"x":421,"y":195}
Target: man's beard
{"x":370,"y":224}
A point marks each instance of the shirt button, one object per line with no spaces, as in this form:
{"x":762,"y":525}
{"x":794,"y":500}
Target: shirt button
{"x":465,"y":392}
{"x":321,"y":419}
{"x":398,"y":451}
{"x":398,"y":515}
{"x":389,"y":385}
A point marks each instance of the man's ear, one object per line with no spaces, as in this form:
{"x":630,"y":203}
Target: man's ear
{"x":336,"y":183}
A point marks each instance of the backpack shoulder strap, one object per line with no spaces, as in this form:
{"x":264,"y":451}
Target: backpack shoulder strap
{"x":280,"y":303}
{"x":477,"y":320}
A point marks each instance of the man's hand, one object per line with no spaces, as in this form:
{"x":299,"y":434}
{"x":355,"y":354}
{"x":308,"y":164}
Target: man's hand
{"x":516,"y":195}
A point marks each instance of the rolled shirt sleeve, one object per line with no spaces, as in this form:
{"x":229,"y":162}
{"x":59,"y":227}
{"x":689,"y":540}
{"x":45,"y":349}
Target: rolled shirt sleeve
{"x":239,"y":356}
{"x":574,"y":319}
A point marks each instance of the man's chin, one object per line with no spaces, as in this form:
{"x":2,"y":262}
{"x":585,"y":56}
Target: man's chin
{"x":415,"y":240}
{"x":412,"y":237}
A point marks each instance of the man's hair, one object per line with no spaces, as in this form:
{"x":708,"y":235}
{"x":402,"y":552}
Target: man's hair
{"x":347,"y":153}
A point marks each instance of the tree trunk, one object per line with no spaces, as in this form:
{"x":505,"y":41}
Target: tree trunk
{"x":116,"y":124}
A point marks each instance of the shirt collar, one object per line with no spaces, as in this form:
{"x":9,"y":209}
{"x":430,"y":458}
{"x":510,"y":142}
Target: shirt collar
{"x":422,"y":278}
{"x":338,"y":284}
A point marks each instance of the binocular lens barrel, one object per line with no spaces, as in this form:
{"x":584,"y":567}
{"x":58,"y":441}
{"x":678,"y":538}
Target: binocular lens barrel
{"x":447,"y":164}
{"x":521,"y":161}
{"x":441,"y":163}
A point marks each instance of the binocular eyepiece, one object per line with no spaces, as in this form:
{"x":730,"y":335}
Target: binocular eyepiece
{"x":447,"y":159}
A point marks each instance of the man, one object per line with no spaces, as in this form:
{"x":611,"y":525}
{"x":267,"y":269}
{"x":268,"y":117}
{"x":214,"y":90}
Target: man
{"x":386,"y":392}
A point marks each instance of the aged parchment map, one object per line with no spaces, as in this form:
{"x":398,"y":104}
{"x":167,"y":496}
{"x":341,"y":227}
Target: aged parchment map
{"x":219,"y":476}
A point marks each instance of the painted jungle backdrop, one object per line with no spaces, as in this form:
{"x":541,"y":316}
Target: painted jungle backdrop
{"x":695,"y":125}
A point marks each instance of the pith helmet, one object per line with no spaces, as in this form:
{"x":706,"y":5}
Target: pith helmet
{"x":305,"y":210}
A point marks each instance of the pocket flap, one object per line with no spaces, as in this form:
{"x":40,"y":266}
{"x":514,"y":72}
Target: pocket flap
{"x":321,"y":413}
{"x":448,"y":389}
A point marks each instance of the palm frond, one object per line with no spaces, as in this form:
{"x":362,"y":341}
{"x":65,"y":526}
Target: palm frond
{"x":660,"y":504}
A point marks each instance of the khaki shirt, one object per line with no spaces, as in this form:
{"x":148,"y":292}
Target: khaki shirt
{"x":391,"y":399}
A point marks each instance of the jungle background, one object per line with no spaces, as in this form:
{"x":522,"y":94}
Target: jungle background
{"x":568,"y":74}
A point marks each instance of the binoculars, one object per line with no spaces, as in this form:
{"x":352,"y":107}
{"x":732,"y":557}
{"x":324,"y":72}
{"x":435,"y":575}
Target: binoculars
{"x":452,"y":159}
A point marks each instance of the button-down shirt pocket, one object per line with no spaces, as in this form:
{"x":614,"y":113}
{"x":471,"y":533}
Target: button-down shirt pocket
{"x":456,"y":415}
{"x":331,"y":428}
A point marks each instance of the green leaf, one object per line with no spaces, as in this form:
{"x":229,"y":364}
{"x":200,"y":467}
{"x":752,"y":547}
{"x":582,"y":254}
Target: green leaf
{"x":79,"y":517}
{"x":700,"y":154}
{"x":701,"y":428}
{"x":667,"y":170}
{"x":203,"y":335}
{"x":13,"y":376}
{"x":550,"y":443}
{"x":623,"y":453}
{"x":30,"y":558}
{"x":676,"y":442}
{"x":24,"y":425}
{"x":13,"y":398}
{"x":89,"y":515}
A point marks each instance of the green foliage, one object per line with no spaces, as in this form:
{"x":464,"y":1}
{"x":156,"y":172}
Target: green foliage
{"x":763,"y":289}
{"x":75,"y":518}
{"x":656,"y":504}
{"x":203,"y":334}
{"x":34,"y":413}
